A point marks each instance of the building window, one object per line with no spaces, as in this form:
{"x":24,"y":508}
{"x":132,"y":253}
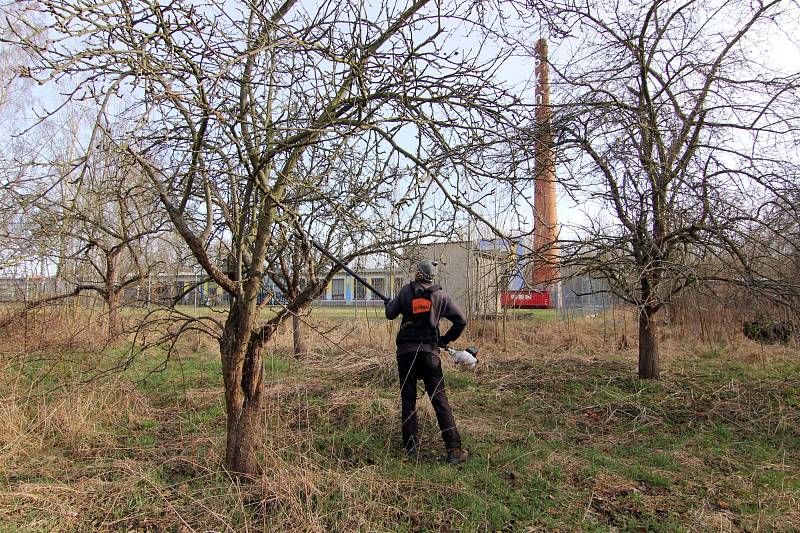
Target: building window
{"x":360,"y":292}
{"x":337,"y":289}
{"x":379,"y":284}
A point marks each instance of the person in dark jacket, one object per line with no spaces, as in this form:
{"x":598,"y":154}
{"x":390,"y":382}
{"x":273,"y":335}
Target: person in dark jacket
{"x":422,"y":305}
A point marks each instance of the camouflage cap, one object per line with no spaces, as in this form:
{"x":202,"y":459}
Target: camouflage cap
{"x":427,"y":270}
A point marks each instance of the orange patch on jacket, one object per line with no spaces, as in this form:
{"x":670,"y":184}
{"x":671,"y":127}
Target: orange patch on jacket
{"x":420,"y":305}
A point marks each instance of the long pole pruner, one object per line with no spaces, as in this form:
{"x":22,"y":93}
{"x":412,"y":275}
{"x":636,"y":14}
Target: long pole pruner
{"x":347,"y":269}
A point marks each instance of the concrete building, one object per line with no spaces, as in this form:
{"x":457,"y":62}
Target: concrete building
{"x":29,"y":288}
{"x":345,"y":289}
{"x":474,"y":273}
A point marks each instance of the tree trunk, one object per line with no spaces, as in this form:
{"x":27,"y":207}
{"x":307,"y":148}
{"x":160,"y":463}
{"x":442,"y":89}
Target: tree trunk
{"x":648,"y":345}
{"x":243,"y":373}
{"x":111,"y":294}
{"x":297,"y":336}
{"x":114,"y":324}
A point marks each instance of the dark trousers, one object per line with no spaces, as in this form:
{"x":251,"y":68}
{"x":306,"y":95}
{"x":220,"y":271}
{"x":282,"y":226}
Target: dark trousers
{"x":427,"y":367}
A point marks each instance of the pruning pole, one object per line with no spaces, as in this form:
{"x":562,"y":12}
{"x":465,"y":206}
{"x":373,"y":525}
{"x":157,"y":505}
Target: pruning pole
{"x":347,"y":269}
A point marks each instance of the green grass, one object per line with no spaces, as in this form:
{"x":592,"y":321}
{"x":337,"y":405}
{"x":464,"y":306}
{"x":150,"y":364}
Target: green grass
{"x":376,"y":313}
{"x":557,"y":444}
{"x":536,"y":314}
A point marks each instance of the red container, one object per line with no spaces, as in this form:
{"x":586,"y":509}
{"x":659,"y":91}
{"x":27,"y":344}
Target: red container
{"x":525,"y":299}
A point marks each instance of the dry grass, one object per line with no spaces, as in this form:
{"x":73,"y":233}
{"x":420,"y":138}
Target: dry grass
{"x":52,"y":328}
{"x":560,"y":430}
{"x":122,"y":483}
{"x":78,"y":418}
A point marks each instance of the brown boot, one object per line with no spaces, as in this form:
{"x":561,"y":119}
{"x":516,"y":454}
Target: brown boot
{"x":457,"y":456}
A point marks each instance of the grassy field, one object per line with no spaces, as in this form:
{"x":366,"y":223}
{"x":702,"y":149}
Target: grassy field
{"x":563,"y":437}
{"x":367,"y":312}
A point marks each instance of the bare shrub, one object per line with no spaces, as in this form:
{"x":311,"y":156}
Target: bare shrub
{"x":717,"y":314}
{"x":52,"y":328}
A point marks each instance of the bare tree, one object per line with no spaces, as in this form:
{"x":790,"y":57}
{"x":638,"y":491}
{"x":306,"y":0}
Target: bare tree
{"x":238,"y":107}
{"x":15,"y":94}
{"x":680,"y":139}
{"x":100,"y":222}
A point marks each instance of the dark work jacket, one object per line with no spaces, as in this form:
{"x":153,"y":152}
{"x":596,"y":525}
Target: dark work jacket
{"x":442,"y":306}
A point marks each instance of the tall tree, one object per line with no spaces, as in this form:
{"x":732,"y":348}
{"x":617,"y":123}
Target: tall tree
{"x":233,"y":102}
{"x":681,"y":139}
{"x":15,"y":94}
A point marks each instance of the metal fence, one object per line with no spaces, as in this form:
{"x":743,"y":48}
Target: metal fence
{"x":582,"y":296}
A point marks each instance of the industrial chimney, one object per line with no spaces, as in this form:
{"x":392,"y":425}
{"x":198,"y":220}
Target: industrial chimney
{"x":545,"y":224}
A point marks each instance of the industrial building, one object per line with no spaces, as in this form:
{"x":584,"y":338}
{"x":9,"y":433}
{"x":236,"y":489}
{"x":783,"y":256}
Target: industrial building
{"x":473,"y":273}
{"x":483,"y":277}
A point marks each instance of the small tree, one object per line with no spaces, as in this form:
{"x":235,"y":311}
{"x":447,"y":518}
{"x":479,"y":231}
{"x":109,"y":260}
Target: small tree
{"x":677,"y":138}
{"x":99,"y":225}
